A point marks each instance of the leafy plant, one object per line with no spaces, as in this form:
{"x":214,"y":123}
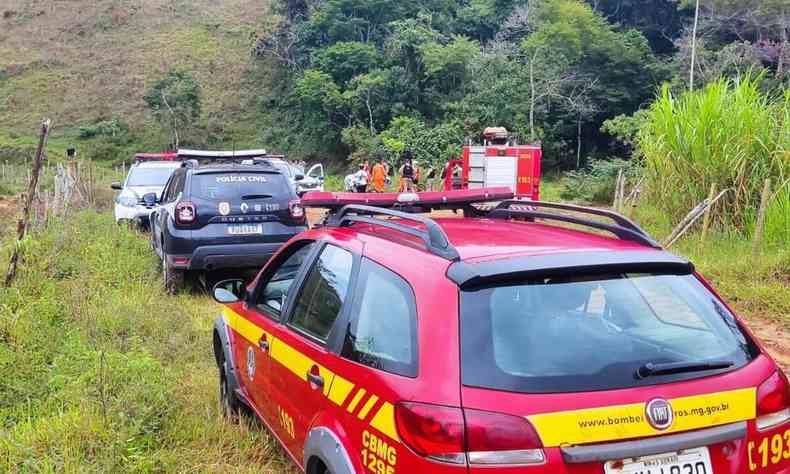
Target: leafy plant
{"x":730,"y":134}
{"x":105,"y":128}
{"x":175,"y":102}
{"x":596,"y":183}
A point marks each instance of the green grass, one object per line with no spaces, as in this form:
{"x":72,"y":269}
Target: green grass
{"x":102,"y":372}
{"x":731,"y":134}
{"x":93,"y":60}
{"x":755,"y":286}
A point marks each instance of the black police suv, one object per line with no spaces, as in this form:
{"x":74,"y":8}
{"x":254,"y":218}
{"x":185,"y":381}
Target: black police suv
{"x":223,"y":216}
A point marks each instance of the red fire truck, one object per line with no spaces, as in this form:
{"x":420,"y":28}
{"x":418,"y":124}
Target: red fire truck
{"x":499,"y":161}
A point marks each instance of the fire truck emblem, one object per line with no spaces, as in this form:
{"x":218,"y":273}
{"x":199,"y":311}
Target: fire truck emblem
{"x":250,"y":362}
{"x":659,"y":414}
{"x":224,"y":208}
{"x":244,"y":207}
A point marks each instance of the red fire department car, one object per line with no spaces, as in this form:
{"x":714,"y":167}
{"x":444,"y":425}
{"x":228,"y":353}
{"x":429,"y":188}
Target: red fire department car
{"x":386,"y":342}
{"x":498,"y":161}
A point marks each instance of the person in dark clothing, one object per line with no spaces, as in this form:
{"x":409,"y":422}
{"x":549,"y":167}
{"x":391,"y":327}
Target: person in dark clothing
{"x":407,"y":174}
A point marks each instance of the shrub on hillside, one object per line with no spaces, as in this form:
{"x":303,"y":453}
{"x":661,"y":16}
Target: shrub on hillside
{"x":596,"y":182}
{"x":104,"y":128}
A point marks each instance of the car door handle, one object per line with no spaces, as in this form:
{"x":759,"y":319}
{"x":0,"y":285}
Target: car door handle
{"x":263,"y":344}
{"x":316,"y":381}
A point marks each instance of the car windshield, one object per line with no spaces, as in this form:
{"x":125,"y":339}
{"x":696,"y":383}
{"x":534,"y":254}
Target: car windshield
{"x":236,"y":185}
{"x":570,"y":334}
{"x":143,"y":176}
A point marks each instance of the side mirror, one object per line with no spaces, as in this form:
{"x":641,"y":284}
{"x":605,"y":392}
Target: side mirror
{"x":229,"y":291}
{"x":299,"y":177}
{"x":150,"y":199}
{"x":321,"y":179}
{"x":116,"y":186}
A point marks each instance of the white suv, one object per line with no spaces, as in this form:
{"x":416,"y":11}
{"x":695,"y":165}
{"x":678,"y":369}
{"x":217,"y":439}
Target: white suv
{"x":147,"y":177}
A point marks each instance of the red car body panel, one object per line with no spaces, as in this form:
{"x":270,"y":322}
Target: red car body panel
{"x":357,"y":402}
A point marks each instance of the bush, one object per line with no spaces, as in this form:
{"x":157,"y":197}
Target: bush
{"x":729,"y":134}
{"x":596,"y":183}
{"x":106,"y":128}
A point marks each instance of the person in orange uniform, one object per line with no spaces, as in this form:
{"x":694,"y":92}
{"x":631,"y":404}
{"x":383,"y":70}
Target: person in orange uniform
{"x":378,"y":176}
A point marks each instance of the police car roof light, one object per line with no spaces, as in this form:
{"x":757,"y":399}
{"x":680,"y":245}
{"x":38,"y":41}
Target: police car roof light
{"x":166,"y":156}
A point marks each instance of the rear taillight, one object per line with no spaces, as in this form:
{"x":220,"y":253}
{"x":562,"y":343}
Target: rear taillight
{"x":185,"y":213}
{"x":297,"y":211}
{"x":773,"y":401}
{"x":495,"y":438}
{"x":460,"y":436}
{"x":432,"y":431}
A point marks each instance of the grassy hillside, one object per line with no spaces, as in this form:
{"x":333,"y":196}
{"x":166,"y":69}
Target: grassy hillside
{"x":102,"y":372}
{"x":81,"y":61}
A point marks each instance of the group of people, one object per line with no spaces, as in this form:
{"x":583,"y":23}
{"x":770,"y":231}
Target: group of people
{"x":375,"y":179}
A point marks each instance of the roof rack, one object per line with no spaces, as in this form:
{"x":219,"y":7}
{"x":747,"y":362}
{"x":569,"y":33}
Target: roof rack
{"x":435,"y":239}
{"x":623,"y":227}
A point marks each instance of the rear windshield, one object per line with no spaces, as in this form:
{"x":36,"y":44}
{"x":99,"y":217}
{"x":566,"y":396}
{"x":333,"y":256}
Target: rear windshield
{"x":149,"y":176}
{"x":235,"y":185}
{"x":573,"y":334}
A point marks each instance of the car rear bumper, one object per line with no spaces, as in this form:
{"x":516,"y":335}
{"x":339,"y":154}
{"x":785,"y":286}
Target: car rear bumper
{"x":216,"y":257}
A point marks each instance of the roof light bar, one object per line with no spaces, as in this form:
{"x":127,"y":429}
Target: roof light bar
{"x":221,"y":155}
{"x":166,"y":156}
{"x":425,"y":200}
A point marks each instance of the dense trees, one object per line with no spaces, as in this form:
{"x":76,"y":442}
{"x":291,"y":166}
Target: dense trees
{"x":362,"y":77}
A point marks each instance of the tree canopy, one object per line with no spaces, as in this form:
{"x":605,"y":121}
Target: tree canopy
{"x":357,"y":78}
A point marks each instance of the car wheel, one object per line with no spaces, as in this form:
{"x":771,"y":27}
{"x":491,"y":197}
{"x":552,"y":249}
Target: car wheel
{"x":173,"y":279}
{"x":228,"y":403}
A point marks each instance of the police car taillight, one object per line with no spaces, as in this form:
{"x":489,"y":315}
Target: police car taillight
{"x":185,"y":213}
{"x":773,"y":401}
{"x":296,"y":209}
{"x":459,"y":436}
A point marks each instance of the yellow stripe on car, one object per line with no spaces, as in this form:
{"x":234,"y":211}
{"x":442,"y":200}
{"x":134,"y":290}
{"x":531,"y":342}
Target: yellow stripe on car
{"x":368,"y":406}
{"x":340,"y":390}
{"x":336,"y":388}
{"x":355,"y":401}
{"x":384,"y":421}
{"x":620,"y":422}
{"x":243,"y":326}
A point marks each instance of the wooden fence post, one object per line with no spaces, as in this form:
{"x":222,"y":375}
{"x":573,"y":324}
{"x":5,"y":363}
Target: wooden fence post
{"x":616,"y":202}
{"x":23,"y":222}
{"x":706,"y":218}
{"x":760,"y":225}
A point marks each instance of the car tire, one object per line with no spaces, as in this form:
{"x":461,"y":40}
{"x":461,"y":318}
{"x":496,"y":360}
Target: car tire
{"x":173,"y":278}
{"x":228,"y":403}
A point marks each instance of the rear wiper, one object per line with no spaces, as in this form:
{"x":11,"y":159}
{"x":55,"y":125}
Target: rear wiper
{"x":651,"y":369}
{"x":256,"y":196}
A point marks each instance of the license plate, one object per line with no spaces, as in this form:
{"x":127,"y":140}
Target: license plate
{"x":245,"y":229}
{"x":689,"y":461}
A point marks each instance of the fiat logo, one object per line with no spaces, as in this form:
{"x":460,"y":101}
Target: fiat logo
{"x":659,"y":414}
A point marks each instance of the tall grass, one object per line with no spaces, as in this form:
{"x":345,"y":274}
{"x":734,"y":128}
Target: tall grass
{"x":731,"y":134}
{"x":100,"y":371}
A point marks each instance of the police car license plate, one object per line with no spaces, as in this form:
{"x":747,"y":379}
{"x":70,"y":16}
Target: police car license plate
{"x":245,"y":229}
{"x":689,"y":461}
